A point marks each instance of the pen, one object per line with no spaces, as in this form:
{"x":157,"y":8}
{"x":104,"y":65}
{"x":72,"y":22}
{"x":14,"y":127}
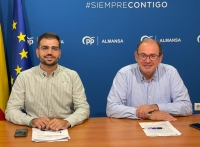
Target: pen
{"x":154,"y":127}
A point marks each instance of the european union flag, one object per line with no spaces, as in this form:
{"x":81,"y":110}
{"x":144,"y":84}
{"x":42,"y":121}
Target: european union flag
{"x":20,"y":50}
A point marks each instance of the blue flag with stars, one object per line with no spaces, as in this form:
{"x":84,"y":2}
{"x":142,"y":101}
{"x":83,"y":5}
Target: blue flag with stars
{"x":20,"y":50}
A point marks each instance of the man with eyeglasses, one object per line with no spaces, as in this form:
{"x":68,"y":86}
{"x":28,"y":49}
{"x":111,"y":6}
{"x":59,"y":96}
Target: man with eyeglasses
{"x":52,"y":96}
{"x":148,"y":89}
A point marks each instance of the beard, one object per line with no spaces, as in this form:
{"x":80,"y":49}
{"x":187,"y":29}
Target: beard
{"x":44,"y":62}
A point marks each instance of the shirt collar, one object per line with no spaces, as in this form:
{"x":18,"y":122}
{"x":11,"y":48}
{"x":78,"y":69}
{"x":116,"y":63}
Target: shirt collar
{"x":142,"y":78}
{"x":44,"y":73}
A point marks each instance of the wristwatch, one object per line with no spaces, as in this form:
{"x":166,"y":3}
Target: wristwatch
{"x":149,"y":114}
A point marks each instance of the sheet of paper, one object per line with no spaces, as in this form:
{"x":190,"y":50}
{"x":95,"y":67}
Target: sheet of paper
{"x":49,"y":136}
{"x":162,"y":128}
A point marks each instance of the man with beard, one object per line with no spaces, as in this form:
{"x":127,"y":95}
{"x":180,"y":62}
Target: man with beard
{"x":148,"y":89}
{"x":52,"y":96}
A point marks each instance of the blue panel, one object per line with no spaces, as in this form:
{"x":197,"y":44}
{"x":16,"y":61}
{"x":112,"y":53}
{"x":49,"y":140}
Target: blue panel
{"x":114,"y":28}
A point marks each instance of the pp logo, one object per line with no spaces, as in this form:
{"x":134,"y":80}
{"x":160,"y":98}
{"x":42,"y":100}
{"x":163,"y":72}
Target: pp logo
{"x":198,"y":39}
{"x":145,"y":37}
{"x":88,"y":40}
{"x":30,"y":40}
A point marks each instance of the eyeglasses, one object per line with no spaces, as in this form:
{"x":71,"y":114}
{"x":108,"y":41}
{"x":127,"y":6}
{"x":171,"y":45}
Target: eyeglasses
{"x":46,"y":48}
{"x":152,"y":57}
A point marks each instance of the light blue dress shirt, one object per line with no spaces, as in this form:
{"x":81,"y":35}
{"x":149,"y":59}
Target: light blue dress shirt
{"x":130,"y":89}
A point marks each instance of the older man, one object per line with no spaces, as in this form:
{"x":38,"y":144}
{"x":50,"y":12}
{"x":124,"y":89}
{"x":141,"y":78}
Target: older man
{"x":148,"y":89}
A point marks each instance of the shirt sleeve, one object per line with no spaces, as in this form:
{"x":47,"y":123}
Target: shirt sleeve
{"x":180,"y":101}
{"x":117,"y":99}
{"x":81,"y":106}
{"x":15,"y":106}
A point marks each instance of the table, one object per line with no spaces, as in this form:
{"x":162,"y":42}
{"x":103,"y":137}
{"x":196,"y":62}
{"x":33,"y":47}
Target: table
{"x":109,"y":132}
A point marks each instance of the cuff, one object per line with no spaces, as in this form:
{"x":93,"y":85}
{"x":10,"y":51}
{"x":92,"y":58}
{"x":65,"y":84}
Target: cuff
{"x":162,"y":107}
{"x":71,"y":121}
{"x":30,"y":123}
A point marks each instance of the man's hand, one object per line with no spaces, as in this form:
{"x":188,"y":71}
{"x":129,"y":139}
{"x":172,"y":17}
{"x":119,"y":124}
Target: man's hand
{"x":57,"y":124}
{"x":161,"y":115}
{"x":143,"y":110}
{"x":40,"y":123}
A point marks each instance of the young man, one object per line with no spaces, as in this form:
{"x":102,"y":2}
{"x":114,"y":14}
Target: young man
{"x":148,"y":89}
{"x":52,"y":96}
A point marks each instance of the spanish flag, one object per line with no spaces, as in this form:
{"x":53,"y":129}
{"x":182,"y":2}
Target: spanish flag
{"x":4,"y":88}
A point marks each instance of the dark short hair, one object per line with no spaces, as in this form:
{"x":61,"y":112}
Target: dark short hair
{"x":158,"y":43}
{"x":48,"y":35}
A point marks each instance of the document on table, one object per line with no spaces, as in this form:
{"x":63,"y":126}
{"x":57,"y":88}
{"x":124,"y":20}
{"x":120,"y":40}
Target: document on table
{"x":162,"y":128}
{"x":49,"y":136}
